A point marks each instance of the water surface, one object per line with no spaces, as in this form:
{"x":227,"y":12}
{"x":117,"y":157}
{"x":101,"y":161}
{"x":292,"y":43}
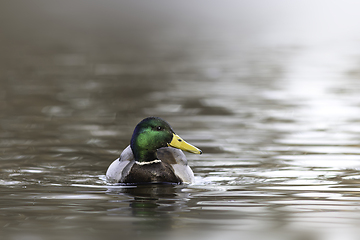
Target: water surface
{"x":277,"y":120}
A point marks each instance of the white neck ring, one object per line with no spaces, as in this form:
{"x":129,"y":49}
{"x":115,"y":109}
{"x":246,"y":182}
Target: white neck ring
{"x":146,"y":163}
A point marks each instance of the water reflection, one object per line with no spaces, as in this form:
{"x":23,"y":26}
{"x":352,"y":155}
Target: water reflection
{"x":157,"y":205}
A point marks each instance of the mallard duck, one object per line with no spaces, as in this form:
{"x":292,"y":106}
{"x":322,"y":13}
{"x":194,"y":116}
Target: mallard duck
{"x":153,"y":156}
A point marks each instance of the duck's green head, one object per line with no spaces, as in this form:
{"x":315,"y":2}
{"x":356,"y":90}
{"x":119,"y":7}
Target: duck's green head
{"x":153,"y":133}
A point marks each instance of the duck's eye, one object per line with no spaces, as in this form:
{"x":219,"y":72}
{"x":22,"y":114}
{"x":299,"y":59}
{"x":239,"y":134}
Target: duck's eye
{"x":158,"y":128}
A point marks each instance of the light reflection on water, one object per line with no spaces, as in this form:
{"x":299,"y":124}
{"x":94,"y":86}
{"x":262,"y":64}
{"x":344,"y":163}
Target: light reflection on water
{"x":278,"y":126}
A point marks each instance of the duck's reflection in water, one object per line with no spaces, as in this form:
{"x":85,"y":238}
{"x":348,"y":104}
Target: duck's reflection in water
{"x":156,"y":206}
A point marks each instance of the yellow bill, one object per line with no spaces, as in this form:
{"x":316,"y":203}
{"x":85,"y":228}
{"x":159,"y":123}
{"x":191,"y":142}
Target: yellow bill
{"x":178,"y":142}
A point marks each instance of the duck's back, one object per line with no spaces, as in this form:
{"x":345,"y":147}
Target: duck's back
{"x":177,"y":159}
{"x":173,"y":168}
{"x":121,"y":166}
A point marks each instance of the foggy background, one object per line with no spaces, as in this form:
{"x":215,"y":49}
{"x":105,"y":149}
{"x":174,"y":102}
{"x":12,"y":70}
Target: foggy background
{"x":92,"y":25}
